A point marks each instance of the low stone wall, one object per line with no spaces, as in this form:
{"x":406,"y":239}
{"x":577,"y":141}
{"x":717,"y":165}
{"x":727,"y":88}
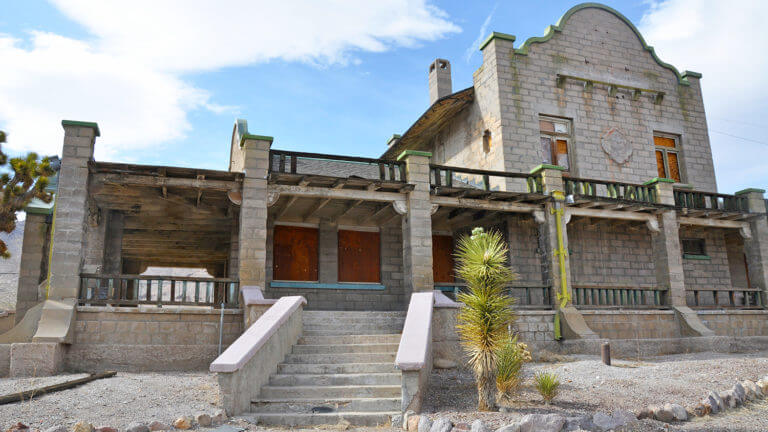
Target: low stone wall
{"x":149,"y":338}
{"x":738,"y":323}
{"x":633,"y":324}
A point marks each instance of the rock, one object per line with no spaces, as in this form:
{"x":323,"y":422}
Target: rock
{"x":158,"y":426}
{"x":396,"y":421}
{"x":137,"y":427}
{"x":203,"y":419}
{"x":514,"y":427}
{"x":183,"y":423}
{"x":408,"y":414}
{"x":442,"y":424}
{"x":106,"y":429}
{"x":542,"y":423}
{"x":479,"y":426}
{"x":730,"y":399}
{"x":741,"y":394}
{"x":460,"y":427}
{"x":18,"y":427}
{"x":425,"y":424}
{"x":616,"y":419}
{"x":580,"y":423}
{"x":56,"y":429}
{"x":82,"y":426}
{"x":753,"y":391}
{"x":678,"y":411}
{"x":219,"y":417}
{"x":443,"y":363}
{"x":664,"y":414}
{"x":702,"y":408}
{"x":716,"y":400}
{"x":763,"y":384}
{"x":647,"y":412}
{"x":413,"y":423}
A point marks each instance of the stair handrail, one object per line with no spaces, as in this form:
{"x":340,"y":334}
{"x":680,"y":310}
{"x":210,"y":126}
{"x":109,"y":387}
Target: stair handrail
{"x":414,"y":354}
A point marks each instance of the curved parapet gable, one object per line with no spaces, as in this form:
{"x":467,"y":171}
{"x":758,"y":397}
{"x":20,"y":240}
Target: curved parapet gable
{"x":552,"y":29}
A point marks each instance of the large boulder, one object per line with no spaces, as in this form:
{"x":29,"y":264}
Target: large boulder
{"x":425,"y":424}
{"x":664,"y":414}
{"x":542,"y":423}
{"x":479,"y":426}
{"x":753,"y":391}
{"x":442,"y":424}
{"x":579,"y":423}
{"x":716,"y":401}
{"x":603,"y":421}
{"x":730,"y":398}
{"x":741,"y":394}
{"x":514,"y":427}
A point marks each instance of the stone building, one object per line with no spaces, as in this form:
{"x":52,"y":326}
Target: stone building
{"x":588,"y":152}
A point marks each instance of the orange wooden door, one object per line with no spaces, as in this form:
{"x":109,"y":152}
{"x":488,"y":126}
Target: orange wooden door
{"x":359,"y":256}
{"x":295,"y":253}
{"x":442,"y":258}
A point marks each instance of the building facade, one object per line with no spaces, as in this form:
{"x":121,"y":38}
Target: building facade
{"x":589,"y":153}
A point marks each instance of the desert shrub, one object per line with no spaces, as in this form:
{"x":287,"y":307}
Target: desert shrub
{"x":547,"y":384}
{"x":509,"y":364}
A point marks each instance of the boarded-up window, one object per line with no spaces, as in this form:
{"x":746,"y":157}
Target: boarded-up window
{"x":555,"y":134}
{"x":667,"y":160}
{"x":359,"y":256}
{"x":442,"y":258}
{"x":295,"y":253}
{"x":694,"y":246}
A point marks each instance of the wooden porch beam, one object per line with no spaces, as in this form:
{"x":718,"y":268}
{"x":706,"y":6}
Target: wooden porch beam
{"x":316,"y":207}
{"x":472,"y":203}
{"x":343,"y":194}
{"x":159,"y":182}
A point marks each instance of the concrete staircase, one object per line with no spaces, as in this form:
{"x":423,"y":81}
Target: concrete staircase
{"x":341,"y":369}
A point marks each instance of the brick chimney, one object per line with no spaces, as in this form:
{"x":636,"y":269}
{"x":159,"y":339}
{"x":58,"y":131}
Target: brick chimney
{"x":439,"y":80}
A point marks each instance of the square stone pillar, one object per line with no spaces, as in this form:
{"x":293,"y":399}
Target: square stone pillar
{"x":417,"y":224}
{"x":31,"y":267}
{"x":69,"y":228}
{"x":252,"y":257}
{"x":667,"y":251}
{"x":756,"y":247}
{"x":329,"y":251}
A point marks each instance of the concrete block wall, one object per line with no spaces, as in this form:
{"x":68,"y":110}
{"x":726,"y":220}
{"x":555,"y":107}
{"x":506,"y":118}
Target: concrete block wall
{"x":712,"y":273}
{"x":525,"y":253}
{"x":33,"y":268}
{"x":633,"y":324}
{"x":736,"y":323}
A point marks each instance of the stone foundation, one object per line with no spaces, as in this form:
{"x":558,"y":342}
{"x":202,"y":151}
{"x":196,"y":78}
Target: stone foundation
{"x":633,"y":324}
{"x":737,"y":323}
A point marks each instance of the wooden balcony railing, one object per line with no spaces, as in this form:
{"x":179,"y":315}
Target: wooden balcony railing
{"x":289,"y":162}
{"x":127,"y":290}
{"x":744,"y":298}
{"x":710,"y":201}
{"x":454,"y":177}
{"x":618,"y":296}
{"x":609,"y":190}
{"x":526,"y":296}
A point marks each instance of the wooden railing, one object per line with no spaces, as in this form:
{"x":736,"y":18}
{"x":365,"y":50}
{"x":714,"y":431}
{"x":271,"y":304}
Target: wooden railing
{"x":618,"y":296}
{"x":289,"y":162}
{"x":610,"y":190}
{"x":447,"y":176}
{"x":526,"y":296}
{"x":745,"y":298}
{"x":710,"y":201}
{"x":126,"y":290}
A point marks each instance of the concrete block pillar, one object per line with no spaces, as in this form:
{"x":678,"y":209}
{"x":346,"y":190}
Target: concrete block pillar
{"x":329,"y":251}
{"x":69,"y":227}
{"x":667,"y":251}
{"x":417,"y":224}
{"x":756,"y":247}
{"x":252,"y":256}
{"x":31,"y":268}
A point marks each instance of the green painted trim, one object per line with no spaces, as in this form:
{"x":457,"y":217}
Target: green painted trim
{"x":247,"y":136}
{"x":658,"y":180}
{"x":393,"y":137}
{"x":317,"y":285}
{"x":696,"y":257}
{"x":750,"y":190}
{"x":407,"y":153}
{"x":93,"y":125}
{"x":496,"y":35}
{"x":550,"y":31}
{"x":542,"y":167}
{"x":37,"y":206}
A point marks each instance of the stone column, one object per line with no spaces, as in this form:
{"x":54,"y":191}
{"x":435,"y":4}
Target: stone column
{"x":252,"y":242}
{"x":417,"y":225}
{"x":668,"y":261}
{"x":69,"y":227}
{"x":31,"y":267}
{"x":756,"y":247}
{"x":572,"y":322}
{"x":329,"y":252}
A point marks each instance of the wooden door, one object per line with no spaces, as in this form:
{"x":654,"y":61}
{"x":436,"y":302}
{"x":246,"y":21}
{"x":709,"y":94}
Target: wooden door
{"x":442,"y":258}
{"x":295,"y":253}
{"x":359,"y":256}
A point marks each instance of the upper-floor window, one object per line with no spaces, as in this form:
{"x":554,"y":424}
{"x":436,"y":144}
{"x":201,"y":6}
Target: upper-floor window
{"x":555,"y":138}
{"x":667,"y":156}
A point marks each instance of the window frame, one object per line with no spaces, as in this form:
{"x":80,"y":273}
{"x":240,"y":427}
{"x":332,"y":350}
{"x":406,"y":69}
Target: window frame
{"x":696,"y":255}
{"x":555,"y":136}
{"x":315,"y":258}
{"x":339,"y":256}
{"x":677,"y":149}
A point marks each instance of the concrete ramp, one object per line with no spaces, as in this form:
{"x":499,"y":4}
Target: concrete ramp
{"x":26,"y":328}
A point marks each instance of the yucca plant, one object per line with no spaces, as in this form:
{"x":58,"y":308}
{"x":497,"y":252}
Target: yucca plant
{"x":509,"y":365}
{"x":486,"y":313}
{"x":547,"y":384}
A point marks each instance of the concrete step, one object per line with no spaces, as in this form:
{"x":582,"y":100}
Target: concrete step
{"x":350,"y":348}
{"x":335,"y":368}
{"x":350,"y":339}
{"x":349,"y":322}
{"x":355,"y":418}
{"x":321,"y":392}
{"x":337,"y":405}
{"x":340,"y":358}
{"x":391,"y":378}
{"x":315,"y":314}
{"x":349,"y":331}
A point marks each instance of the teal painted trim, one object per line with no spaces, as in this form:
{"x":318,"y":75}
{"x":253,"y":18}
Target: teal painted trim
{"x":696,"y":257}
{"x":550,"y":31}
{"x":542,"y":167}
{"x":37,"y":206}
{"x":496,"y":35}
{"x":413,"y":153}
{"x":247,"y":136}
{"x":447,"y":288}
{"x":93,"y":125}
{"x":393,"y":137}
{"x":655,"y":180}
{"x":317,"y":285}
{"x":691,"y":74}
{"x":750,"y":190}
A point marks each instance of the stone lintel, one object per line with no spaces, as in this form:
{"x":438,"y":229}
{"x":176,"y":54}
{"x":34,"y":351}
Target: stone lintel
{"x":82,"y":124}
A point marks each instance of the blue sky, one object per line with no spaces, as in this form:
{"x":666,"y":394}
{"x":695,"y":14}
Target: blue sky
{"x":166,"y":82}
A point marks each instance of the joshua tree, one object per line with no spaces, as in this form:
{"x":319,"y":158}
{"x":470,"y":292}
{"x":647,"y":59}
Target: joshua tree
{"x":483,"y":320}
{"x":23,"y":179}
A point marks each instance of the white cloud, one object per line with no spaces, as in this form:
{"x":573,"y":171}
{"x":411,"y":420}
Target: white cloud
{"x":724,"y":41}
{"x":128,"y":75}
{"x":472,"y":49}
